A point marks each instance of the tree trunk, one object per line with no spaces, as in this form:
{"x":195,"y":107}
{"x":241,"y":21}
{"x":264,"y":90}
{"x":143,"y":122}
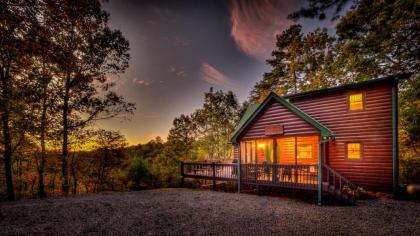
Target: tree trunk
{"x":7,"y":140}
{"x":73,"y":174}
{"x":65,"y":151}
{"x":41,"y":186}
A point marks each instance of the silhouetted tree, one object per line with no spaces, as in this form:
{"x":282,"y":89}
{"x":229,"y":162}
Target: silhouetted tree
{"x":90,"y":51}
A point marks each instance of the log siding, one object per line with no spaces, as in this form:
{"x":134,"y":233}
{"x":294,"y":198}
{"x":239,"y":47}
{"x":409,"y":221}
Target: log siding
{"x":371,"y":127}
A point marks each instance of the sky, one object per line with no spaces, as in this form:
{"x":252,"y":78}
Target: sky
{"x":179,"y":49}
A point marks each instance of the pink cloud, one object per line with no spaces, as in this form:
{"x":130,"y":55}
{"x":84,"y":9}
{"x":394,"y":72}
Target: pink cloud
{"x":212,"y":76}
{"x":254,"y":25}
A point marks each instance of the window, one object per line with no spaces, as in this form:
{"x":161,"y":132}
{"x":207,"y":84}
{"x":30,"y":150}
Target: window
{"x":304,"y":151}
{"x":356,"y":102}
{"x":354,"y":151}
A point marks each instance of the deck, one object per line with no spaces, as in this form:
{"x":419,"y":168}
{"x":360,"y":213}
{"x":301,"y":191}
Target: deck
{"x":275,"y":175}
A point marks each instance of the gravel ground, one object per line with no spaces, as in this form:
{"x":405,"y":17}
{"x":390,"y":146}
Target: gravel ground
{"x":198,"y":212}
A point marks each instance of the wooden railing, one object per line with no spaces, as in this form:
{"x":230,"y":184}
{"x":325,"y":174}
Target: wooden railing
{"x":290,"y":176}
{"x":335,"y":179}
{"x":212,"y":170}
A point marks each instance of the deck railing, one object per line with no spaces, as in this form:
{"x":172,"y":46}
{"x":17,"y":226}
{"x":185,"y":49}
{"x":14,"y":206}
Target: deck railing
{"x":281,"y":175}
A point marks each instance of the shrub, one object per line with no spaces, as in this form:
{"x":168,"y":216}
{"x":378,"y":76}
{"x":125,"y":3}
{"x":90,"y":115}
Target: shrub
{"x":410,"y":169}
{"x":138,"y":175}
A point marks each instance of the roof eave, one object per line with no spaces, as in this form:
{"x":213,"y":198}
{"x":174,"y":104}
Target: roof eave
{"x":324,"y":131}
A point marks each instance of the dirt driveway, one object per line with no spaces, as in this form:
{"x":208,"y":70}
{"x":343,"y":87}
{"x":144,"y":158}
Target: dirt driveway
{"x":198,"y":212}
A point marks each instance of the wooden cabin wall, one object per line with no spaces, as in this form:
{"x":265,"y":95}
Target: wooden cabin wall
{"x":372,"y":127}
{"x":276,"y":114}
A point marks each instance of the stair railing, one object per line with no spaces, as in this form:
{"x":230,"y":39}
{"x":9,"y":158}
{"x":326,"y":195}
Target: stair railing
{"x":336,"y":179}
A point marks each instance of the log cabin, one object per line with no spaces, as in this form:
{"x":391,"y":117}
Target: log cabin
{"x":324,"y":140}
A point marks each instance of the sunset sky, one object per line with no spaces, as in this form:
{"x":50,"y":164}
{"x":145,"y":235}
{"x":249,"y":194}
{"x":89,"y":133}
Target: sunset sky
{"x":179,"y":49}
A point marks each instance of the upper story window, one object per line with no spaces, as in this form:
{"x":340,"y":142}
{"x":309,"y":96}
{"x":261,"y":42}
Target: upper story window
{"x":354,"y":151}
{"x":356,"y":102}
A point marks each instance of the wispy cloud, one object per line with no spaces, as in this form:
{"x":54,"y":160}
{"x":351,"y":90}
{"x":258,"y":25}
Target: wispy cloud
{"x":254,"y":24}
{"x":140,"y":82}
{"x":212,"y":76}
{"x":179,"y":73}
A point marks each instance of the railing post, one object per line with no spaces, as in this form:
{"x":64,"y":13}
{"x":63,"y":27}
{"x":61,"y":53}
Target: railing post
{"x":214,"y":176}
{"x":182,"y":174}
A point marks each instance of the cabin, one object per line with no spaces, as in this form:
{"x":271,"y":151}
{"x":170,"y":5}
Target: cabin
{"x":329,"y":140}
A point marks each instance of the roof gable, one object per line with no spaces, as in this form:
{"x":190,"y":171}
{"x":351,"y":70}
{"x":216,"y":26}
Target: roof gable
{"x":255,"y":109}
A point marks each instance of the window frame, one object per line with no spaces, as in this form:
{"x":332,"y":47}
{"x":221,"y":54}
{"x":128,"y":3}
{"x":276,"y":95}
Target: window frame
{"x":363,"y":101}
{"x":297,"y":151}
{"x":347,"y":151}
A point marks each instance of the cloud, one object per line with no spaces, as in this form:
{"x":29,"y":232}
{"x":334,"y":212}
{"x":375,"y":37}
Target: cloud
{"x":255,"y":23}
{"x":179,"y":73}
{"x":140,"y":82}
{"x":212,"y":76}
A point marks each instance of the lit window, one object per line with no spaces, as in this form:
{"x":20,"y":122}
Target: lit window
{"x":304,"y":151}
{"x":354,"y":151}
{"x":356,"y":102}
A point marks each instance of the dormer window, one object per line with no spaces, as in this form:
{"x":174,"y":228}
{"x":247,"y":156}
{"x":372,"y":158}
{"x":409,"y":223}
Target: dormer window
{"x":356,"y":102}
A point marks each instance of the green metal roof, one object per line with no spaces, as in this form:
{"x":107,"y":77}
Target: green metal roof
{"x":370,"y":82}
{"x":248,"y":113}
{"x":254,"y":109}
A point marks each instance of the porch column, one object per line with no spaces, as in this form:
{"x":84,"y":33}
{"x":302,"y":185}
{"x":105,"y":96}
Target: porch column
{"x":320,"y":170}
{"x":238,"y":174}
{"x":320,"y":173}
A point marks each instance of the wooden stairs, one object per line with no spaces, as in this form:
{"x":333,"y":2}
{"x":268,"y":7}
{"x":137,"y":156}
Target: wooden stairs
{"x":337,"y":186}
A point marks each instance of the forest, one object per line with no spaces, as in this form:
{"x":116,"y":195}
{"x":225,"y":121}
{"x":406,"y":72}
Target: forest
{"x":58,"y":64}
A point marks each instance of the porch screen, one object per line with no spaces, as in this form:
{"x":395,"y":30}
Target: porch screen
{"x":264,"y":151}
{"x":286,"y":150}
{"x":248,"y":152}
{"x":297,"y":150}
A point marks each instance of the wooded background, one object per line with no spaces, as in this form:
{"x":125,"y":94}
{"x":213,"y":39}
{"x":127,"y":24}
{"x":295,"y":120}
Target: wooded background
{"x":56,"y":58}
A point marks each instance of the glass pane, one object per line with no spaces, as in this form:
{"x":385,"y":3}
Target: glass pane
{"x":243,"y":152}
{"x":356,"y":101}
{"x":264,"y":151}
{"x":353,"y":151}
{"x":286,"y":150}
{"x":304,"y":151}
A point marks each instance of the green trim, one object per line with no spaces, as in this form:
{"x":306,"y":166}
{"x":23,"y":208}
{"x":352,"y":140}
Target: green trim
{"x":320,"y":170}
{"x":248,"y":113}
{"x":268,"y":154}
{"x":253,"y":111}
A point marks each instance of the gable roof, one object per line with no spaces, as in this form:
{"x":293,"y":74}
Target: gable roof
{"x":254,"y":109}
{"x":371,"y":82}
